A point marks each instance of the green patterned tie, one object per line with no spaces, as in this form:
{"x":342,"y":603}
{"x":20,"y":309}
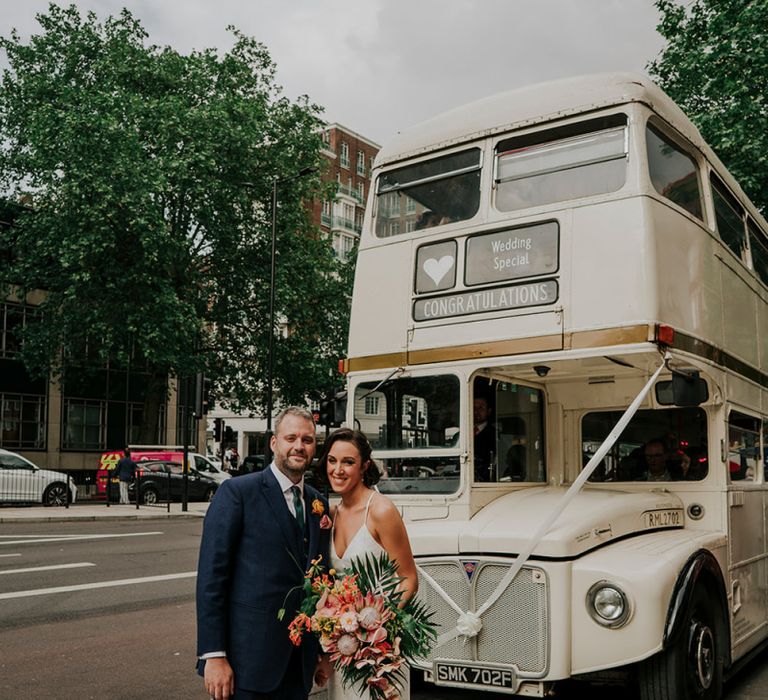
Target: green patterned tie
{"x":298,"y":506}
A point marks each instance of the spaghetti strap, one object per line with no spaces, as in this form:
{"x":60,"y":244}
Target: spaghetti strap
{"x":368,"y":505}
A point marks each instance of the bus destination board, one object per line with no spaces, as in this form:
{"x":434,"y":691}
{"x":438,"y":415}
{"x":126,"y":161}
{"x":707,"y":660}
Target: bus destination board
{"x":514,"y":253}
{"x":485,"y":300}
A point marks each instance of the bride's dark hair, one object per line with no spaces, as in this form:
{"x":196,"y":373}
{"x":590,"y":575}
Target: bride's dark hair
{"x":371,"y":473}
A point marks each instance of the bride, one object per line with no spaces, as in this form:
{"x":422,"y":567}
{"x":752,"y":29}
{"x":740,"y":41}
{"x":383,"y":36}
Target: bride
{"x":365,"y":522}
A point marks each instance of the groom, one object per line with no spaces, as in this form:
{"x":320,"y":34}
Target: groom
{"x":260,"y":534}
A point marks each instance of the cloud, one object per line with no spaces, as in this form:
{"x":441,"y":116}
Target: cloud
{"x":378,"y":66}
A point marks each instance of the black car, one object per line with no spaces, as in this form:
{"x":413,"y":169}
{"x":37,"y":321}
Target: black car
{"x":155,"y":478}
{"x":255,"y":463}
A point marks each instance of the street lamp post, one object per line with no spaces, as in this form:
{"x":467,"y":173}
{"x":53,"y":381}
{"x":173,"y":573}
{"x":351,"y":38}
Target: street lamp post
{"x":270,"y":346}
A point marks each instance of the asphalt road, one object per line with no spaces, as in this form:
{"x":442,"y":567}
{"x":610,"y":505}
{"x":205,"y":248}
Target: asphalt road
{"x":115,"y":619}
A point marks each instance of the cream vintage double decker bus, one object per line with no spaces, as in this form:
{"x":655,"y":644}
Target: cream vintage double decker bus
{"x":530,"y":265}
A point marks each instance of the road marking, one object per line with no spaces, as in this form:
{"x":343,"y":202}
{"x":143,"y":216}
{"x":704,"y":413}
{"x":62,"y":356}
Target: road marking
{"x":76,"y":565}
{"x":10,"y":555}
{"x":11,"y":537}
{"x":75,"y":538}
{"x":99,"y":584}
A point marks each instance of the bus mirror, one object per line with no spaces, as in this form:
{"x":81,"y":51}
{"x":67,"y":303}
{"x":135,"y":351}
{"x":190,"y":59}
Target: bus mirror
{"x":685,"y":389}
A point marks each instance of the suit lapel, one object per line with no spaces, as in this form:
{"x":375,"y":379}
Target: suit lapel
{"x":285,"y":520}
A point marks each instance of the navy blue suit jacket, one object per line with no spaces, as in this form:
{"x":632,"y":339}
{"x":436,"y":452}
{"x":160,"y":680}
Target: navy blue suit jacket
{"x":251,"y":555}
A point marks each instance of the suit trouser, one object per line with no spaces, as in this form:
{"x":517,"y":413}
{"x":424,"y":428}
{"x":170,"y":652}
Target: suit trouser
{"x":291,"y":688}
{"x":124,"y":492}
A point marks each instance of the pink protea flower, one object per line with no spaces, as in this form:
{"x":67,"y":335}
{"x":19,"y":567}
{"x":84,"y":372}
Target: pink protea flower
{"x":348,"y":620}
{"x":347,"y":645}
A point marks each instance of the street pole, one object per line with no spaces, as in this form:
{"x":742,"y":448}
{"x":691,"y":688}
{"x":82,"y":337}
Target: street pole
{"x":270,"y":343}
{"x":185,"y":452}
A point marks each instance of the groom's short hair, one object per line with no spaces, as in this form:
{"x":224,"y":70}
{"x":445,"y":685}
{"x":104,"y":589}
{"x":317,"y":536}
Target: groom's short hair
{"x":298,"y":411}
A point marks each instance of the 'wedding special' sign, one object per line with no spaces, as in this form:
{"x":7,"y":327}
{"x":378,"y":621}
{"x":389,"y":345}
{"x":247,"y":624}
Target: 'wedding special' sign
{"x":512,"y":254}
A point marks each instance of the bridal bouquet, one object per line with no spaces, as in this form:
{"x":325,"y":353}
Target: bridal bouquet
{"x":363,"y":623}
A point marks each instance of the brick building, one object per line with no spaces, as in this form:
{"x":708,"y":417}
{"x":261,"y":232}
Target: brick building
{"x":350,"y":157}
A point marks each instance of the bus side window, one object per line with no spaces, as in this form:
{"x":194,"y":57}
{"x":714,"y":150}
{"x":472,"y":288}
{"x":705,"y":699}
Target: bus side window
{"x":730,"y":219}
{"x":743,"y":447}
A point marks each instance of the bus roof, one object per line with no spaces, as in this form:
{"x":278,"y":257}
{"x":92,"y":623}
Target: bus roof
{"x":535,"y":104}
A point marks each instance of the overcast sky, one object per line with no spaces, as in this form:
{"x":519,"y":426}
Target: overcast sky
{"x":377,"y":66}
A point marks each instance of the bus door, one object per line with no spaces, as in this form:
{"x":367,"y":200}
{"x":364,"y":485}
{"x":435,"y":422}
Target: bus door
{"x":747,"y":506}
{"x":507,"y":432}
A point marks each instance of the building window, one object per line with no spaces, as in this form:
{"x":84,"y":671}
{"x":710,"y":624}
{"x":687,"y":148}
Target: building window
{"x":410,"y":225}
{"x":361,"y":191}
{"x":13,"y":319}
{"x":22,"y":421}
{"x":361,"y":164}
{"x":344,"y":159}
{"x":326,"y":136}
{"x":394,"y":228}
{"x":371,"y":405}
{"x":410,"y":205}
{"x":83,"y":425}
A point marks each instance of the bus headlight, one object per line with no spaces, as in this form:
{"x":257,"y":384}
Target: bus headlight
{"x":608,"y":605}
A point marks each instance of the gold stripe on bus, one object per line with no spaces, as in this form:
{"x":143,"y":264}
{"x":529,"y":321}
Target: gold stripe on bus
{"x":610,"y":336}
{"x":518,"y":346}
{"x":358,"y":364}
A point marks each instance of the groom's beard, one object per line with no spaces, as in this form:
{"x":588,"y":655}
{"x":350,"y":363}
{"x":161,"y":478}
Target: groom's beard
{"x":292,"y":467}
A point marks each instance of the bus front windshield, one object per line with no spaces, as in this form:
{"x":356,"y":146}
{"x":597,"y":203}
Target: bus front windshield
{"x":408,"y":414}
{"x":657,"y":445}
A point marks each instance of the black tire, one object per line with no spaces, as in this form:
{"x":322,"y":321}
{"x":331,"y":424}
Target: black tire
{"x":150,"y":496}
{"x":209,"y":494}
{"x":55,"y":494}
{"x":692,"y":668}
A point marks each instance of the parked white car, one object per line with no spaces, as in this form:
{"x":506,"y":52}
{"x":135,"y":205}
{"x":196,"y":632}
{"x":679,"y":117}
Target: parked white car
{"x":23,"y":482}
{"x":210,"y":466}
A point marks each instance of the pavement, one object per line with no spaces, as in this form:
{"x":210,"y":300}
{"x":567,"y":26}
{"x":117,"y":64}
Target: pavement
{"x":95,"y":510}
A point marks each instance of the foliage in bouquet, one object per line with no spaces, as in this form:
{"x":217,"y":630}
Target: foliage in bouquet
{"x":362,"y":621}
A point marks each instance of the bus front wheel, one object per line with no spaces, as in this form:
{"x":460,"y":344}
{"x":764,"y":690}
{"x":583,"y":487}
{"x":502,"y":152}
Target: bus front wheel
{"x":692,"y":668}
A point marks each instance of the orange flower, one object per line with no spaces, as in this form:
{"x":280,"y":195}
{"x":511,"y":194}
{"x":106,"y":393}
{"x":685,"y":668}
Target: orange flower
{"x":317,"y":507}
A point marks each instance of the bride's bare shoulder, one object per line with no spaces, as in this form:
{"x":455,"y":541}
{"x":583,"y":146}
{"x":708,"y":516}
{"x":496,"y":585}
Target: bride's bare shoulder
{"x":382,"y":508}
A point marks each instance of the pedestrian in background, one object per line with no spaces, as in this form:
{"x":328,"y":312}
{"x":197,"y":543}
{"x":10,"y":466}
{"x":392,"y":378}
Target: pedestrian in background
{"x":124,"y":471}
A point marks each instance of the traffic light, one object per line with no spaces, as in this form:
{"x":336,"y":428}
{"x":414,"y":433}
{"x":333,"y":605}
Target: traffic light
{"x":413,"y":413}
{"x":218,"y":425}
{"x":333,"y":409}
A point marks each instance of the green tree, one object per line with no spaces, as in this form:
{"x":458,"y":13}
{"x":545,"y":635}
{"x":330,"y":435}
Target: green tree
{"x":150,"y":176}
{"x":715,"y":66}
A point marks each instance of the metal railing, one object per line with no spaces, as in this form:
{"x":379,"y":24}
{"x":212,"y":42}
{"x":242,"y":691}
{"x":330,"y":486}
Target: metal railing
{"x":154,"y":491}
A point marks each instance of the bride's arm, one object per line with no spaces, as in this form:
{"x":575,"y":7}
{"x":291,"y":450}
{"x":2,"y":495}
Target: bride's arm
{"x":389,"y":530}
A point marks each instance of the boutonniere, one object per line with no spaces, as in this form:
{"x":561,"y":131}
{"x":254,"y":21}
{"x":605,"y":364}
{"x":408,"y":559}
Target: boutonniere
{"x":325,"y":523}
{"x":317,"y":507}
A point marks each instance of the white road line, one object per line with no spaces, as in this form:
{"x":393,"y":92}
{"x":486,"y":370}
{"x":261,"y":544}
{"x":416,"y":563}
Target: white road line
{"x":76,"y":565}
{"x":99,"y":584}
{"x":10,"y":555}
{"x":77,"y":538}
{"x":13,"y":537}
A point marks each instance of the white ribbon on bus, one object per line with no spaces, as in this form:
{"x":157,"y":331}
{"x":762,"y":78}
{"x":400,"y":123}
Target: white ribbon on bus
{"x":470,"y":623}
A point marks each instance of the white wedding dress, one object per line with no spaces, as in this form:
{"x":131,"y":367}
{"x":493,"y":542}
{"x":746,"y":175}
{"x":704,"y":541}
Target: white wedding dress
{"x":361,"y":544}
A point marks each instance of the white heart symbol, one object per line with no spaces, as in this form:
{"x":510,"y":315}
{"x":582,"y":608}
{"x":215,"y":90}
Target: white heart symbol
{"x":437,"y":269}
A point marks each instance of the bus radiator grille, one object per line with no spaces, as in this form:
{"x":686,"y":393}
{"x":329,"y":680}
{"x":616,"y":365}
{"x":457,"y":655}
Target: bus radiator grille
{"x":515,"y":628}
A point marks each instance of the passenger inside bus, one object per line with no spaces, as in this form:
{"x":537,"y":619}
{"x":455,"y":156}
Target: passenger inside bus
{"x":657,"y":445}
{"x":484,"y":437}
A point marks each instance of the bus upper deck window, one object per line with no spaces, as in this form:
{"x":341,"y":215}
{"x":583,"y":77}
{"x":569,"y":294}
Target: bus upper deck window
{"x":673,"y":173}
{"x":730,"y":218}
{"x":569,"y":162}
{"x":430,"y":193}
